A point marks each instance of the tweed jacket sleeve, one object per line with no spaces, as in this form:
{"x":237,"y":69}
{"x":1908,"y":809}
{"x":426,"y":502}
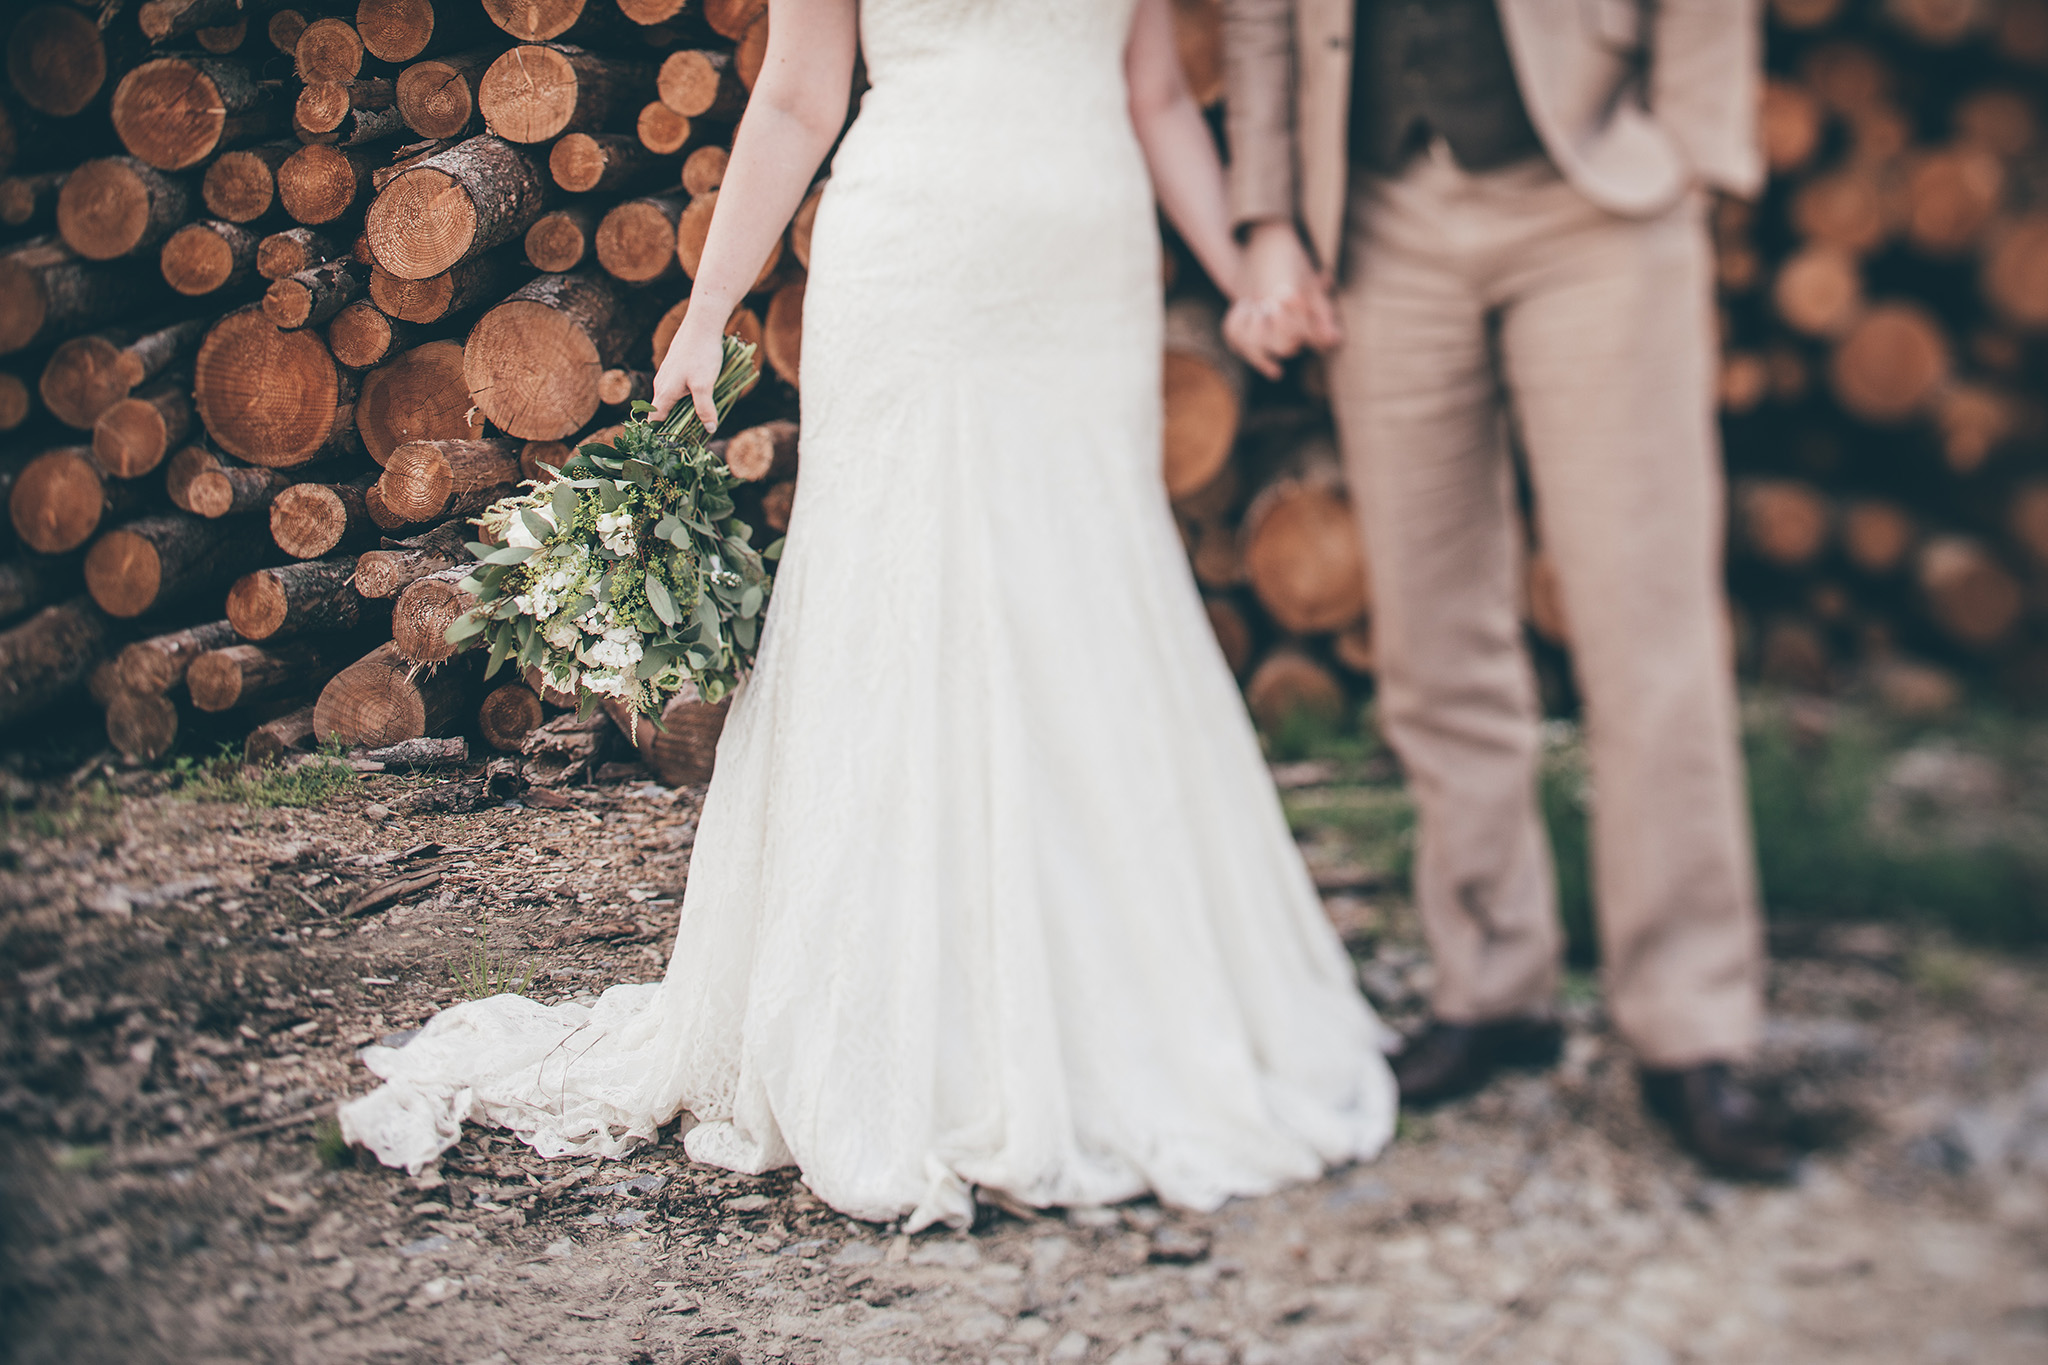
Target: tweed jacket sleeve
{"x":1705,"y":71}
{"x":1258,"y":68}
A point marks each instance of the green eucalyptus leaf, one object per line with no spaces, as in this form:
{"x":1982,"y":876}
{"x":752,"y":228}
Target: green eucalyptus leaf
{"x":657,"y":597}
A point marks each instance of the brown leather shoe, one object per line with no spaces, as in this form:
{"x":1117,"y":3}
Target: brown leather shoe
{"x":1718,"y":1119}
{"x":1446,"y":1061}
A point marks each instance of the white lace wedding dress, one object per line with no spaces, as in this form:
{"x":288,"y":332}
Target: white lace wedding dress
{"x":991,"y":887}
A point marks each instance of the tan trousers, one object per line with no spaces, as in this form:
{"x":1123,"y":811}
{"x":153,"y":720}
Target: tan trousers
{"x":1470,"y":300}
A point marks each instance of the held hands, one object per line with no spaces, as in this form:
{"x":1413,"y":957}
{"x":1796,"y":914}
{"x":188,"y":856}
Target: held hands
{"x":1283,"y":305}
{"x":690,"y":371}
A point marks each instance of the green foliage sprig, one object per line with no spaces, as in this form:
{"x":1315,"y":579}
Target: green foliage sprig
{"x":628,"y":575}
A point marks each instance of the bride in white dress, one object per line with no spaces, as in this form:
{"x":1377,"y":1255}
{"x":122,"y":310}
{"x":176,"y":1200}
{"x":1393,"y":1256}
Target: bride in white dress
{"x":992,"y":887}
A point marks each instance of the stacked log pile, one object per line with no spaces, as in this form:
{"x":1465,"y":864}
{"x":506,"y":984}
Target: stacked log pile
{"x":288,"y":292}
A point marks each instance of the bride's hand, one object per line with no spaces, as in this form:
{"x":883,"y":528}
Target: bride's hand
{"x":690,"y":370}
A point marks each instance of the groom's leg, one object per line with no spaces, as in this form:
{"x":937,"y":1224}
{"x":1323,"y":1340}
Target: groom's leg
{"x":1607,"y":340}
{"x":1418,"y":412}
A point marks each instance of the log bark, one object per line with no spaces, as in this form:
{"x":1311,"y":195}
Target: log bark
{"x":204,"y":485}
{"x":176,"y":112}
{"x":1951,"y":195}
{"x":319,"y":184}
{"x":160,"y":20}
{"x":472,"y":284}
{"x":535,"y":93}
{"x":303,"y":598}
{"x":1302,"y":553}
{"x":30,"y":201}
{"x":2015,"y":271}
{"x":662,"y":130}
{"x":312,"y":520}
{"x":617,"y":387}
{"x":687,"y":753}
{"x":311,"y":297}
{"x":1819,"y":291}
{"x":17,"y":402}
{"x":149,"y":563}
{"x":419,"y":396}
{"x":401,"y":30}
{"x":1233,"y":634}
{"x":1845,"y":209}
{"x":801,"y":225}
{"x":455,"y":206}
{"x":284,"y":254}
{"x":1204,"y":397}
{"x":141,"y":726}
{"x":704,"y":169}
{"x":1969,"y":595}
{"x":777,"y":504}
{"x":241,"y":186}
{"x":62,"y":497}
{"x":28,"y":582}
{"x":636,"y":241}
{"x":208,"y":256}
{"x":1288,"y":687}
{"x":1791,"y":122}
{"x":362,"y":336}
{"x":381,"y":699}
{"x":49,"y":655}
{"x":323,"y":108}
{"x":87,"y":375}
{"x":560,"y":239}
{"x":701,"y":84}
{"x":1890,"y":363}
{"x":1352,"y":648}
{"x":275,"y":740}
{"x":240,"y":674}
{"x":734,"y":19}
{"x":782,"y":332}
{"x":49,"y":294}
{"x":1780,"y":521}
{"x":765,"y":452}
{"x":386,"y":572}
{"x":272,"y":397}
{"x":2027,"y":520}
{"x":56,"y":60}
{"x":544,"y":459}
{"x":535,"y":21}
{"x":533,"y":362}
{"x":423,"y":479}
{"x":329,"y":50}
{"x":752,"y":53}
{"x":437,"y":97}
{"x":158,"y":664}
{"x":360,"y":126}
{"x":599,"y":163}
{"x":423,"y":612}
{"x":507,"y":715}
{"x":134,"y":435}
{"x":1877,"y":536}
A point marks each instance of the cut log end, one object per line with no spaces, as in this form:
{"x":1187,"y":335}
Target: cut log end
{"x":170,"y":113}
{"x":507,"y":715}
{"x":422,"y":223}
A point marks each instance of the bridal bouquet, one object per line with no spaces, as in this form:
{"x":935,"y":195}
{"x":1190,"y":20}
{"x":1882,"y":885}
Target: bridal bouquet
{"x":628,"y":575}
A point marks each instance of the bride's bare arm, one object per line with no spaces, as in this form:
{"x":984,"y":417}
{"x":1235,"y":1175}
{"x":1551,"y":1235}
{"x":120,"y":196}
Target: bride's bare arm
{"x":796,"y":110}
{"x":1187,"y":175}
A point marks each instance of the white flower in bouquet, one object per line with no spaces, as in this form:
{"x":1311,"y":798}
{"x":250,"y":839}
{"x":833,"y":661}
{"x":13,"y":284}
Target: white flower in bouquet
{"x":628,"y":576}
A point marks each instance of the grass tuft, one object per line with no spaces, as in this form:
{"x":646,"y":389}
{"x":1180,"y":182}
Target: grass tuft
{"x":303,"y":782}
{"x":479,"y":973}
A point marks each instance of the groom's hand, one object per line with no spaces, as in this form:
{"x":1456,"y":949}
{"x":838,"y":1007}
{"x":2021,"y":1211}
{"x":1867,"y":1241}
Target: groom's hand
{"x":1278,"y":272}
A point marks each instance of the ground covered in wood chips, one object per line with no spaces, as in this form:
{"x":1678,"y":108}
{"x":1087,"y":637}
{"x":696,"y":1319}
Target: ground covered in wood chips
{"x":184,"y":984}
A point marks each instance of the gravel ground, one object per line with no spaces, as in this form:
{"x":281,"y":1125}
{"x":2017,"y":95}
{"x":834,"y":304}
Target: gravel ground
{"x":182,"y":991}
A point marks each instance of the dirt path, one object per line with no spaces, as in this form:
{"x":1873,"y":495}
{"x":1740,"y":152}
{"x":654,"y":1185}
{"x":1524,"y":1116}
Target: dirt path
{"x":182,"y":994}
